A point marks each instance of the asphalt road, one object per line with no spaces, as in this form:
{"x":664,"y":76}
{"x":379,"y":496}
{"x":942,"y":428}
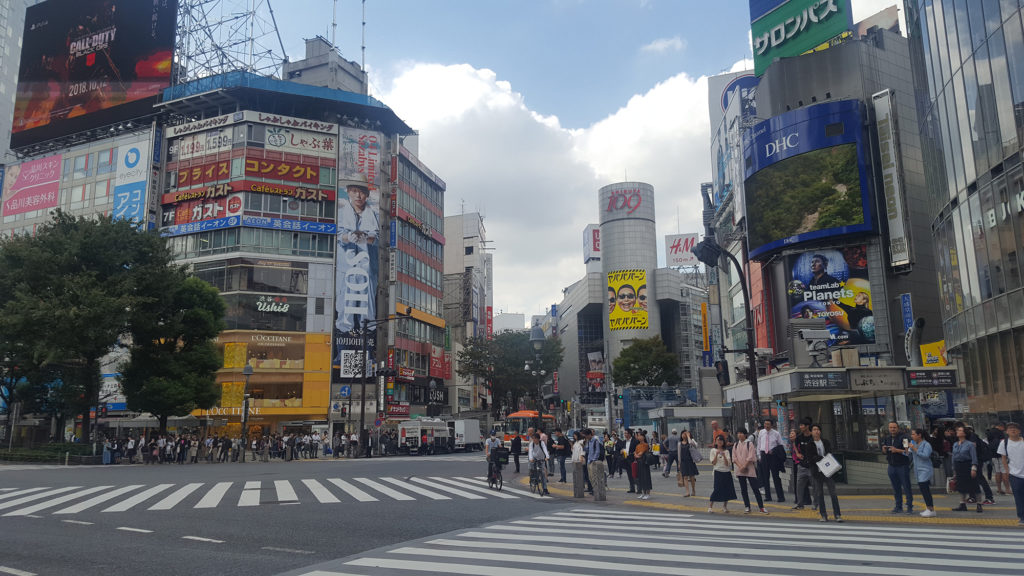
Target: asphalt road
{"x":239,"y":518}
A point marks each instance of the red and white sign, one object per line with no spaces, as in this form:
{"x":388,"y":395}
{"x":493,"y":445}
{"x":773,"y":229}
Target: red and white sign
{"x":198,"y":175}
{"x":490,"y":322}
{"x":406,"y":374}
{"x":199,"y":210}
{"x":283,"y":139}
{"x":436,"y":362}
{"x":33,"y":185}
{"x":627,"y":200}
{"x":398,"y":410}
{"x":447,"y":365}
{"x":679,"y":249}
{"x":591,"y":242}
{"x":554,"y":382}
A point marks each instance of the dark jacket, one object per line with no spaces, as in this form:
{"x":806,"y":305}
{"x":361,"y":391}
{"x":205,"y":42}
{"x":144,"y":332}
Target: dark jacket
{"x":517,"y":444}
{"x":805,"y":445}
{"x":893,"y":458}
{"x":813,"y":457}
{"x":562,"y":448}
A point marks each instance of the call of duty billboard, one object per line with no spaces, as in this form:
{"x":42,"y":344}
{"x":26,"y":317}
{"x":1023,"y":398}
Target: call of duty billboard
{"x":89,"y":63}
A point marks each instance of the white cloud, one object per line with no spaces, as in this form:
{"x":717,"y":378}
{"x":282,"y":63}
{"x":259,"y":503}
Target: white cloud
{"x":536,"y":182}
{"x":673,"y":44}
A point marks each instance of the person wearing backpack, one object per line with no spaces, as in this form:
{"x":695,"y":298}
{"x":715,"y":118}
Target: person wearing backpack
{"x":996,"y":436}
{"x":984,"y":456}
{"x":1011,"y":453}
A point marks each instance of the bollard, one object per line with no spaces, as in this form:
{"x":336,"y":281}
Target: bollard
{"x":578,"y":483}
{"x":67,"y":456}
{"x":598,"y":478}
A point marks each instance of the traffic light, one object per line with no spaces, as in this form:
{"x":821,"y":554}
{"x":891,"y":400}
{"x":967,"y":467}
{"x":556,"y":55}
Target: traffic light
{"x":103,"y":410}
{"x":344,"y":410}
{"x":722,"y":372}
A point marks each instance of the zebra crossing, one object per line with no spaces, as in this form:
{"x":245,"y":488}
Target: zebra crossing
{"x":599,"y":541}
{"x":21,"y":467}
{"x":68,"y":500}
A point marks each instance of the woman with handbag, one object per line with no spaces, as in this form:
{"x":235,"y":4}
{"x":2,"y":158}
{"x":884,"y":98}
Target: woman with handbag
{"x":641,"y":466}
{"x":722,"y":463}
{"x":921,"y":451}
{"x":744,"y":454}
{"x":688,"y":455}
{"x":822,"y":448}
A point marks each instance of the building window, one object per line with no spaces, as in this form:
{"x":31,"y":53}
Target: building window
{"x":469,"y":250}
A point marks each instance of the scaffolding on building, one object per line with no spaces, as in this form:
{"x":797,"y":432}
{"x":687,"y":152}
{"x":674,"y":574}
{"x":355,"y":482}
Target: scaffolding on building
{"x":218,"y":36}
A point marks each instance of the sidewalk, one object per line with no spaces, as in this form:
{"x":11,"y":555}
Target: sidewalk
{"x":859,"y":507}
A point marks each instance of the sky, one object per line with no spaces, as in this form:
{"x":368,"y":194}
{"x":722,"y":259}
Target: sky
{"x":527,"y":108}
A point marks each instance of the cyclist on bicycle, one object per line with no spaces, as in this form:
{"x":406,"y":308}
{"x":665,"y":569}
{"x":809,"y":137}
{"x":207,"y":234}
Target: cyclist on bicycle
{"x":538,"y":453}
{"x":489,"y":446}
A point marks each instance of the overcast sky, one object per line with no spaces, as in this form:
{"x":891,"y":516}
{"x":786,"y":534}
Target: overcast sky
{"x":526,"y":108}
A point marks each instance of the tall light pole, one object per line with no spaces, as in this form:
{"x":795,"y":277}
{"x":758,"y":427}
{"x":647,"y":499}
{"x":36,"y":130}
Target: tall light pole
{"x":401,"y":311}
{"x":247,"y":372}
{"x":537,"y":340}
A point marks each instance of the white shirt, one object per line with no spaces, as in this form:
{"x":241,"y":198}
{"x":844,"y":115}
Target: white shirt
{"x":821,"y":447}
{"x":536,"y":449}
{"x":768,"y":440}
{"x":577,"y":451}
{"x":1014,"y":452}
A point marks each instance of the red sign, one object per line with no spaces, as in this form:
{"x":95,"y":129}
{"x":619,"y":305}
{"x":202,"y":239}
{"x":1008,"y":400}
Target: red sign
{"x":554,"y":381}
{"x":219,"y":190}
{"x":198,"y":175}
{"x":281,"y":170}
{"x":447,"y":365}
{"x":391,"y":358}
{"x":436,"y":362}
{"x":199,"y":210}
{"x":398,"y":410}
{"x":629,"y":200}
{"x":407,"y":374}
{"x":490,"y":322}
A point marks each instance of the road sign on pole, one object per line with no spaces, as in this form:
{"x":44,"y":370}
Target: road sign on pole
{"x":345,"y":391}
{"x":378,"y":422}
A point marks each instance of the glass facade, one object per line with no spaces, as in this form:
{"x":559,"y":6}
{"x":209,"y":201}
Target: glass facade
{"x":969,"y":66}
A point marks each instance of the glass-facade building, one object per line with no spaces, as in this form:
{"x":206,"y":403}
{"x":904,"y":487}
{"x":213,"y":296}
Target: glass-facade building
{"x":968,"y":62}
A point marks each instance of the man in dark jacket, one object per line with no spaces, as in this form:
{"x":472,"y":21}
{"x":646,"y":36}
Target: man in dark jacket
{"x":516,"y":448}
{"x":803,"y":445}
{"x":894,"y":446}
{"x":560,"y":451}
{"x":628,"y":443}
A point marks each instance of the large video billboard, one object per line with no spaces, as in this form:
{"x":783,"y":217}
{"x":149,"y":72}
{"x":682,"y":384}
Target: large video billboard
{"x":806,"y":177}
{"x":833,"y":285}
{"x":88,"y":63}
{"x":780,"y":29}
{"x":627,"y":300}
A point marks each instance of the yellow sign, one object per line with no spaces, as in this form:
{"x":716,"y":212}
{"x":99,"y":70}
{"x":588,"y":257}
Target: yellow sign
{"x":231,"y":395}
{"x":235,"y":354}
{"x":627,"y":300}
{"x":934,"y":353}
{"x":705,"y":329}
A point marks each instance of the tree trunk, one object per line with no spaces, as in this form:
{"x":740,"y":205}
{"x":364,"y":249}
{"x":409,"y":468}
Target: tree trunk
{"x":163,"y":424}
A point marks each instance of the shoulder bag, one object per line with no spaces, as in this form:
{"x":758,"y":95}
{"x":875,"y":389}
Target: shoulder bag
{"x":694,"y":452}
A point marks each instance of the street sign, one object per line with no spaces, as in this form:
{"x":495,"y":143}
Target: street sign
{"x":345,"y":391}
{"x":378,"y":422}
{"x":618,"y":420}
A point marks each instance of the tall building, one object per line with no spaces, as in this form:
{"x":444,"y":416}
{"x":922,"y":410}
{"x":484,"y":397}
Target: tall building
{"x":12,"y":24}
{"x":468,"y":300}
{"x":509,"y":321}
{"x":968,"y":62}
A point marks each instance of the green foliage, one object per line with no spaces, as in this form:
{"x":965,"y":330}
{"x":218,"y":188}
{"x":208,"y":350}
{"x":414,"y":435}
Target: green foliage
{"x":502,"y":361}
{"x":646,"y":362}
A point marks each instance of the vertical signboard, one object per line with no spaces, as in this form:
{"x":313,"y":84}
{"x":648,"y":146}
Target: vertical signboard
{"x":678,"y":250}
{"x":888,"y":146}
{"x":591,"y":243}
{"x":490,"y":322}
{"x":907,"y":309}
{"x":130,"y":182}
{"x":32,"y":185}
{"x":357,"y":256}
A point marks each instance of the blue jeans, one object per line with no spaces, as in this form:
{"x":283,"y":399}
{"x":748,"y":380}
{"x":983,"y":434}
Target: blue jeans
{"x":1017,"y":486}
{"x":899,"y":476}
{"x":561,"y":466}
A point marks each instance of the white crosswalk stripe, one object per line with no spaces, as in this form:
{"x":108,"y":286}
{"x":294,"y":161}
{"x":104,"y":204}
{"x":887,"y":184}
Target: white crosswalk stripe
{"x":252,"y":493}
{"x":683,"y":544}
{"x":19,"y":467}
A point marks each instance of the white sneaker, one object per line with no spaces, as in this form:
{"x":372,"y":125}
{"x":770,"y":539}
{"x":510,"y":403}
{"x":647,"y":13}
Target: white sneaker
{"x":928,"y":514}
{"x":640,"y":497}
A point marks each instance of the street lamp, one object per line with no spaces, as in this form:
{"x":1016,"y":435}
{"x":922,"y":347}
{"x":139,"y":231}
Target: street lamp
{"x":401,"y":311}
{"x":708,"y":252}
{"x":247,"y":372}
{"x":537,"y":340}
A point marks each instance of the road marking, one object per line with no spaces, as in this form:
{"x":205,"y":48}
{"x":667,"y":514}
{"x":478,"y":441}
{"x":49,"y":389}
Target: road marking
{"x":32,"y":516}
{"x":176,"y":497}
{"x":352,"y":490}
{"x":291,"y":550}
{"x":79,"y":522}
{"x":384,"y":489}
{"x":213,"y":497}
{"x":56,"y":501}
{"x":322,"y":494}
{"x":505,"y":488}
{"x":201,"y":539}
{"x":448,"y":489}
{"x":138,"y":498}
{"x":285,"y":492}
{"x":139,"y":530}
{"x":36,"y":496}
{"x":420,"y":566}
{"x":15,"y":571}
{"x":7,"y":489}
{"x":413,"y":488}
{"x":484,"y":489}
{"x":98,"y":500}
{"x":250,"y":494}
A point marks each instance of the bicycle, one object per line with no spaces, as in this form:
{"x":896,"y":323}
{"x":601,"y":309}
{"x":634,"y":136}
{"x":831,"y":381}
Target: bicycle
{"x":494,"y":480}
{"x":536,"y":469}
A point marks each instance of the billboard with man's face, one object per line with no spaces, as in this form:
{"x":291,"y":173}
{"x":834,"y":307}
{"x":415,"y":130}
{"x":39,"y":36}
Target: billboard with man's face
{"x":627,"y":300}
{"x":833,"y":285}
{"x":88,"y":63}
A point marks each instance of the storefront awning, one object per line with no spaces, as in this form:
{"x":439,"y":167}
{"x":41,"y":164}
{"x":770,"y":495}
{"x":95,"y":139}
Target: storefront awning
{"x":814,"y":384}
{"x":686,"y":412}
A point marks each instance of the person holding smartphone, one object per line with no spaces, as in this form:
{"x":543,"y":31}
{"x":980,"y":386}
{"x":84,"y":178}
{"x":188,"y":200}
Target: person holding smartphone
{"x":895,"y":446}
{"x":921,"y":451}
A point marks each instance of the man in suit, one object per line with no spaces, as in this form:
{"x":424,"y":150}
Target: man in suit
{"x":626,"y":447}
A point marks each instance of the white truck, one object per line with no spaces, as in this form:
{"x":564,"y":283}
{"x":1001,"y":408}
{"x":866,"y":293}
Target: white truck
{"x":466,"y":434}
{"x":411,"y":434}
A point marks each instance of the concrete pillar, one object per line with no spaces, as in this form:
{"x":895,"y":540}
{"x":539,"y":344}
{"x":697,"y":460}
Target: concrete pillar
{"x":599,"y":478}
{"x":578,"y":483}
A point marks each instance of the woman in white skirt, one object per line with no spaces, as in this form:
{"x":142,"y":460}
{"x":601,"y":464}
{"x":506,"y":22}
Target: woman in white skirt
{"x":721,"y":462}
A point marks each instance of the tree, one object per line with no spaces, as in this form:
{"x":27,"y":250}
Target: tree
{"x":502,"y":361}
{"x":646,"y":362}
{"x":173,"y":363}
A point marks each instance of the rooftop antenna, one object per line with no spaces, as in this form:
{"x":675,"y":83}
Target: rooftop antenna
{"x":334,"y":26}
{"x":364,"y":37}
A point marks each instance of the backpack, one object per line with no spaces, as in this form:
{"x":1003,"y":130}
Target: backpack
{"x":984,"y":451}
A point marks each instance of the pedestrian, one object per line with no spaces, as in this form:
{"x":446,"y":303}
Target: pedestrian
{"x":965,"y":466}
{"x":996,"y":436}
{"x":561,"y":451}
{"x":579,"y":465}
{"x":365,"y":440}
{"x":593,"y":451}
{"x":626,"y":450}
{"x":537,"y":454}
{"x":895,"y":447}
{"x":816,"y":452}
{"x":769,"y":446}
{"x":516,"y":448}
{"x":744,"y":454}
{"x":984,"y":453}
{"x":1011,"y":453}
{"x":641,"y":468}
{"x":609,"y":454}
{"x":802,"y":464}
{"x":689,"y":455}
{"x":921,"y":453}
{"x":721,"y":462}
{"x":669,"y":449}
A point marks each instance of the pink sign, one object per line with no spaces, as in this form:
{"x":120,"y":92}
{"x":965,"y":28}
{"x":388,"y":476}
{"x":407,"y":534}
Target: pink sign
{"x":31,"y":186}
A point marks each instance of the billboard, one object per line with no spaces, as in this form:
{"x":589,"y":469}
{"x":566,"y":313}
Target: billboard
{"x":732,"y":107}
{"x":805,"y":177}
{"x":591,"y":243}
{"x":833,"y":285}
{"x":678,"y":249}
{"x":780,"y":29}
{"x":31,"y":186}
{"x":88,"y":63}
{"x":892,"y":187}
{"x":933,"y":354}
{"x":131,"y":180}
{"x":627,"y":307}
{"x":357,"y":257}
{"x":595,"y":373}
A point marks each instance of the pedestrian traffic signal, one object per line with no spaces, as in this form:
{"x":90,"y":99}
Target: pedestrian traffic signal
{"x":344,"y":410}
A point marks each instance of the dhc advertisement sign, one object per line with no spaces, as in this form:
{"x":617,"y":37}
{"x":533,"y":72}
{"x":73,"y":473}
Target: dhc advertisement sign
{"x":806,"y":177}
